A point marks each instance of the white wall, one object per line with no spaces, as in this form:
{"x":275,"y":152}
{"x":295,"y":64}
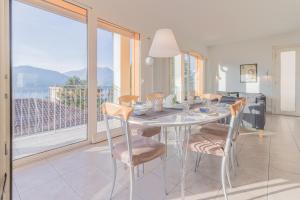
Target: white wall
{"x":161,"y":75}
{"x":233,"y":55}
{"x":146,"y":70}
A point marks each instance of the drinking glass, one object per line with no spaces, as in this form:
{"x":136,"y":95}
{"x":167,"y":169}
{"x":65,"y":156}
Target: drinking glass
{"x":186,"y":107}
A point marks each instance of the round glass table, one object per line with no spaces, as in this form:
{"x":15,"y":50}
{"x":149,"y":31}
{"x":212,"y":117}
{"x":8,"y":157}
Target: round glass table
{"x":182,"y":121}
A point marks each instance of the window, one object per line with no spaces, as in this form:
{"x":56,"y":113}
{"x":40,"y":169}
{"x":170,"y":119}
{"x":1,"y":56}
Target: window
{"x":189,"y":75}
{"x":49,"y":69}
{"x":186,"y":75}
{"x":117,"y":66}
{"x":176,"y":77}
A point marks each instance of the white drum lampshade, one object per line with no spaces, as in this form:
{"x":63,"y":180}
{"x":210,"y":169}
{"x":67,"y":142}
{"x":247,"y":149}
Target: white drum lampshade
{"x":164,"y":44}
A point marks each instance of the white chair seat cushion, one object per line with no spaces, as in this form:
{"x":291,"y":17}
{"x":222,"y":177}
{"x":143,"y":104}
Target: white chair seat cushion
{"x":144,"y":149}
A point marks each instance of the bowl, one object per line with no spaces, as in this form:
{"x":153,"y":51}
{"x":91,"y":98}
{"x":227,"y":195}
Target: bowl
{"x":140,"y":111}
{"x":204,"y":109}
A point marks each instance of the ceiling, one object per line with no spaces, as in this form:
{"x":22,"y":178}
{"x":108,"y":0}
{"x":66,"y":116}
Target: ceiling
{"x":204,"y":22}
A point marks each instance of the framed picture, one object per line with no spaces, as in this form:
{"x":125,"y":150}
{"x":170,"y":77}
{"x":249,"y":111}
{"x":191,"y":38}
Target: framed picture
{"x":248,"y":73}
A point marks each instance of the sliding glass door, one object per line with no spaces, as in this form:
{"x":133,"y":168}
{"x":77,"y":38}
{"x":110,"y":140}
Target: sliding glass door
{"x":49,"y":75}
{"x":115,"y":66}
{"x":176,"y":80}
{"x":189,"y":75}
{"x":186,"y":71}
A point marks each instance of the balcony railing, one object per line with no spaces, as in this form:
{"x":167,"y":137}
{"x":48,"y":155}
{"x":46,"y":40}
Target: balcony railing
{"x":38,"y":111}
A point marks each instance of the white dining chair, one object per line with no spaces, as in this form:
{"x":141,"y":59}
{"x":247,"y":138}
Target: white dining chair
{"x":215,"y":144}
{"x":134,"y":150}
{"x":218,"y":128}
{"x":143,"y":130}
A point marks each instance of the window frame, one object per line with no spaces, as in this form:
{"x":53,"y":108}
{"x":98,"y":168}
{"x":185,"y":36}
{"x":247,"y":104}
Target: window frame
{"x":129,"y":75}
{"x":93,"y":23}
{"x":50,"y":7}
{"x":199,"y":75}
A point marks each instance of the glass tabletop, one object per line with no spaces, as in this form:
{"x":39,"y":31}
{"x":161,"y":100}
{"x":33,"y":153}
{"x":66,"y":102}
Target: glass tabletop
{"x":180,"y":118}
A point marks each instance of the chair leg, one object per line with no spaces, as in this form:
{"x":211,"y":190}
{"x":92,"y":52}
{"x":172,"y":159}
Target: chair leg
{"x":223,"y":174}
{"x":132,"y":183}
{"x":143,"y":168}
{"x":183,"y":178}
{"x":185,"y":152}
{"x":199,"y":157}
{"x":164,"y":174}
{"x":165,"y":135}
{"x":114,"y":178}
{"x":228,"y":173}
{"x":159,"y":137}
{"x":138,"y":171}
{"x":231,"y":158}
{"x":235,"y":154}
{"x":177,"y":140}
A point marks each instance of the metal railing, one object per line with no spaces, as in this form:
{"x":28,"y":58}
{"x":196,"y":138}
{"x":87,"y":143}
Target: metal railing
{"x":38,"y":111}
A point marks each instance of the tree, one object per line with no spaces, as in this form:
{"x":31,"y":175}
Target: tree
{"x":74,"y":93}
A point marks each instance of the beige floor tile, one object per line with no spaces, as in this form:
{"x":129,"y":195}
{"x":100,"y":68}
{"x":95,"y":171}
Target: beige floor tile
{"x":288,"y":166}
{"x":210,"y":169}
{"x":84,"y":159}
{"x":202,"y":186}
{"x":150,"y":187}
{"x":269,"y":165}
{"x":176,"y":195}
{"x":283,"y":185}
{"x":33,"y":175}
{"x":255,"y":190}
{"x":248,"y":176}
{"x":15,"y":193}
{"x":124,"y":194}
{"x":54,"y":189}
{"x":97,"y":189}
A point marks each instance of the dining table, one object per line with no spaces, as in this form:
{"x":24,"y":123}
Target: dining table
{"x":182,"y":121}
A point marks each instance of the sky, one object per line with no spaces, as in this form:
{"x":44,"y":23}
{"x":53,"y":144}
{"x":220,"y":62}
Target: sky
{"x":54,"y":42}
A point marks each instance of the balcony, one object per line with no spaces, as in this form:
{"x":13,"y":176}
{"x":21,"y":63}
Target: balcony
{"x":43,"y":122}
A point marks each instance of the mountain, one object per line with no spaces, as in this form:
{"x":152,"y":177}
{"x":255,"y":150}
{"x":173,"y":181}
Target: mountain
{"x":29,"y":81}
{"x":34,"y":82}
{"x":104,"y":75}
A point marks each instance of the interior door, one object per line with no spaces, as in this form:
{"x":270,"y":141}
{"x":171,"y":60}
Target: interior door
{"x":286,"y":84}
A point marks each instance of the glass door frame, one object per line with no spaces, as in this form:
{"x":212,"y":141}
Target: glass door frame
{"x":5,"y":133}
{"x":91,"y":20}
{"x":92,"y":135}
{"x":199,"y":83}
{"x":129,"y":74}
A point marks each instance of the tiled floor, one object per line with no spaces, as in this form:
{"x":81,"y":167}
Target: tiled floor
{"x":31,"y":144}
{"x":269,"y":169}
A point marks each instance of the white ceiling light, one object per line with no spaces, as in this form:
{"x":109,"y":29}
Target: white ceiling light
{"x":149,"y":60}
{"x":164,"y":44}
